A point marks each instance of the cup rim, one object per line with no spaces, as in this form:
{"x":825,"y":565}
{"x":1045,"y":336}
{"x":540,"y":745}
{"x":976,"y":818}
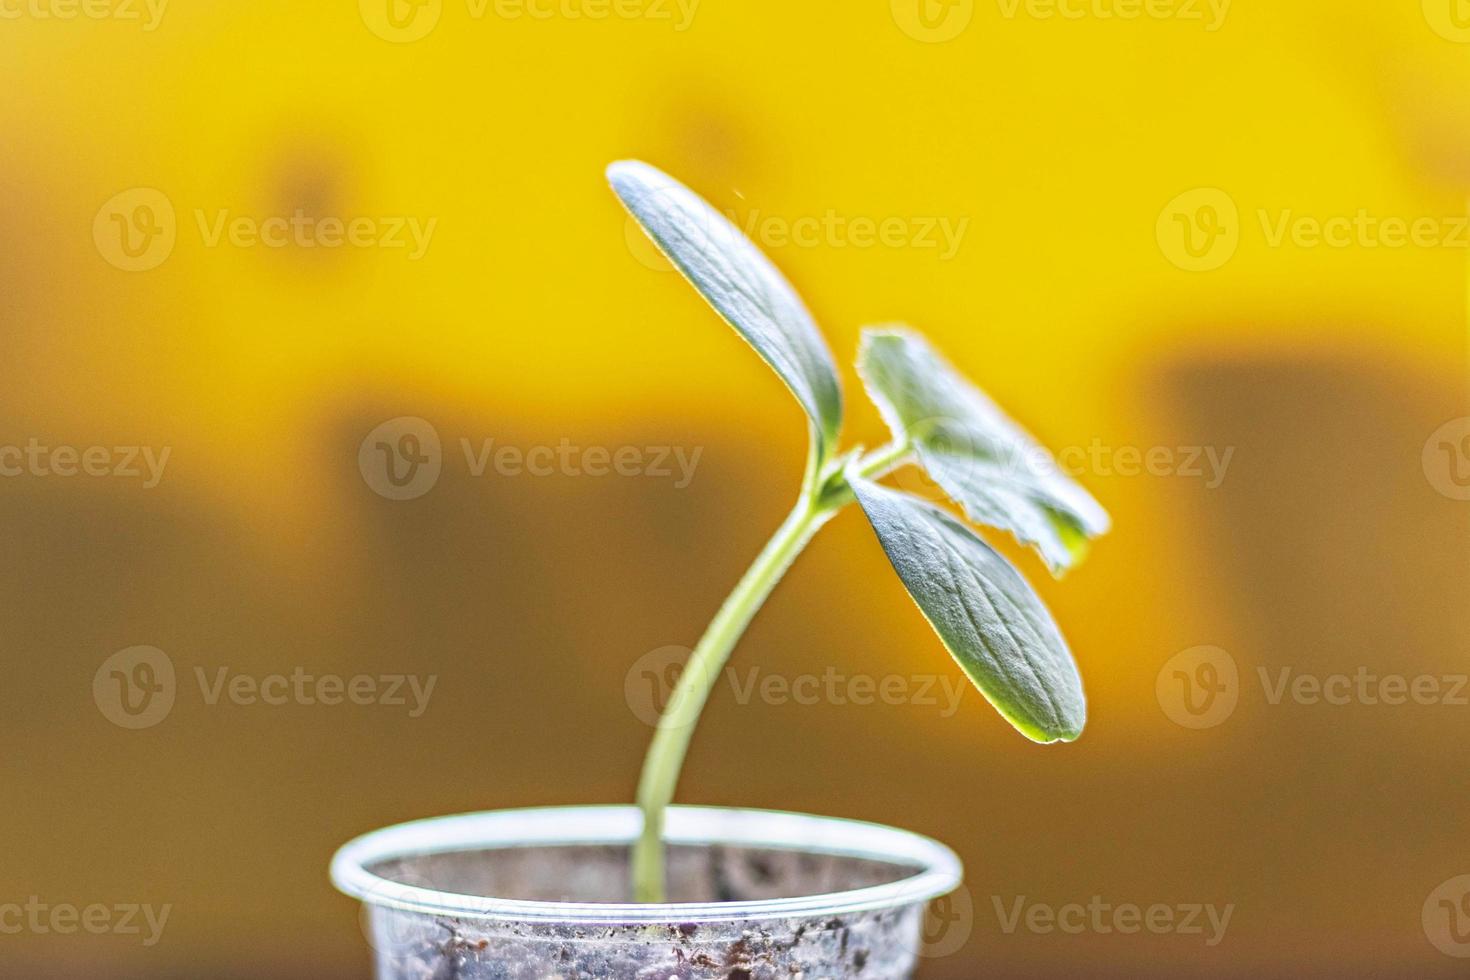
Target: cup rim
{"x":938,"y":870}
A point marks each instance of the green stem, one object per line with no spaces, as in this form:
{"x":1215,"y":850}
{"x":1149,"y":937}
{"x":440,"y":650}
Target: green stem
{"x":881,"y":462}
{"x":820,"y":501}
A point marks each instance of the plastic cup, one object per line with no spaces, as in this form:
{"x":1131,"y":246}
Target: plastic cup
{"x":538,"y":894}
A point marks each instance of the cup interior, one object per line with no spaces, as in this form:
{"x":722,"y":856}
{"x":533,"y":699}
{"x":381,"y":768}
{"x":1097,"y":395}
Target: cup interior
{"x":571,"y":864}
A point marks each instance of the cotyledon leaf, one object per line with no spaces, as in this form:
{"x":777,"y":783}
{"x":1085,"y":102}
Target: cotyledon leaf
{"x":740,"y":283}
{"x":986,"y":614}
{"x":984,"y":461}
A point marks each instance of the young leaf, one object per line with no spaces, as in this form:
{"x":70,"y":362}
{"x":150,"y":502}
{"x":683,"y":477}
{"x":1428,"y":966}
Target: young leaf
{"x":984,"y":461}
{"x":740,"y":283}
{"x":985,"y":612}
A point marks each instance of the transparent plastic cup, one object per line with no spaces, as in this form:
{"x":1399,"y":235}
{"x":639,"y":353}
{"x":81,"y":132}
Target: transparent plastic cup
{"x":538,"y":894}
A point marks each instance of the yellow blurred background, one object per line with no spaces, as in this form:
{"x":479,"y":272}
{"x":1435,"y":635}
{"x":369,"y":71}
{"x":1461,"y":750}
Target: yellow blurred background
{"x":1130,"y":191}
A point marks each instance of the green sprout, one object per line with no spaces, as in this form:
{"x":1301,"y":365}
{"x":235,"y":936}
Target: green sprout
{"x":985,"y":613}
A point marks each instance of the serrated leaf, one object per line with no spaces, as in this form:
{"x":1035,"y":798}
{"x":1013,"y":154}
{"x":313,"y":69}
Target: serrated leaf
{"x":984,"y":461}
{"x":986,"y":614}
{"x":740,"y":283}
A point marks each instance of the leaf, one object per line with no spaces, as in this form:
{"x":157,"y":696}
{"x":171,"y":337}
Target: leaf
{"x":741,"y":284}
{"x":986,"y":614}
{"x":985,"y":462}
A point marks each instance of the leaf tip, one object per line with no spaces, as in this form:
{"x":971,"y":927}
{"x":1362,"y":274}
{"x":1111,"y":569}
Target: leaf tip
{"x":870,"y":336}
{"x":1062,"y":732}
{"x":625,"y":175}
{"x":1069,"y":735}
{"x":893,"y":328}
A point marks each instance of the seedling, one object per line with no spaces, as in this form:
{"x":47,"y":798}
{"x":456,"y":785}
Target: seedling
{"x":985,"y":613}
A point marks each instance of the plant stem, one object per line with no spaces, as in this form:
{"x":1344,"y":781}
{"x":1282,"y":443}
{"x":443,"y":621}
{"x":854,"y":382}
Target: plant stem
{"x":881,"y":462}
{"x":820,"y":501}
{"x":671,"y":742}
